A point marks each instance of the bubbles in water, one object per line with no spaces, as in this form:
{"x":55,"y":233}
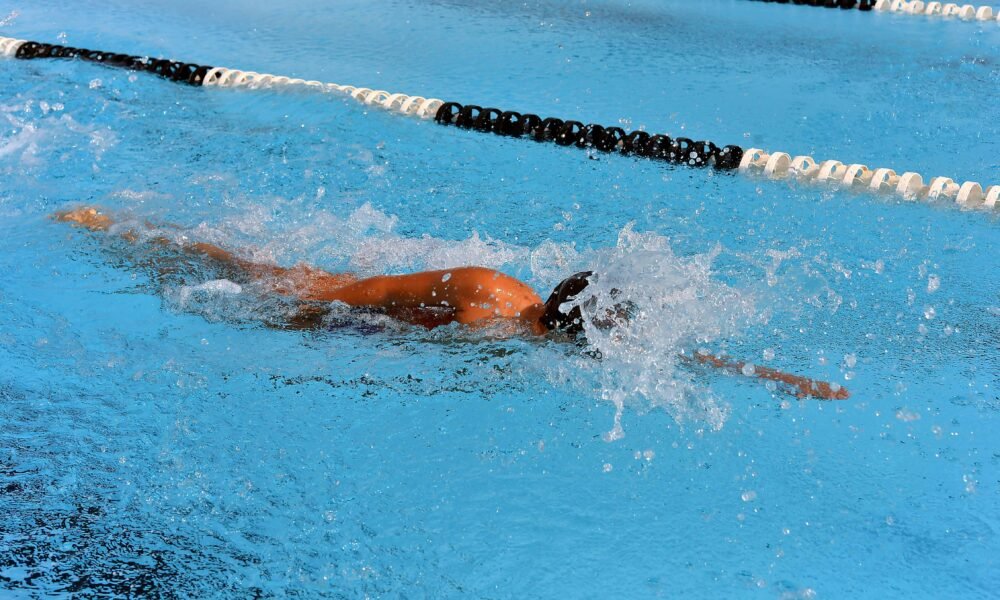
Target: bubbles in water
{"x":933,"y":283}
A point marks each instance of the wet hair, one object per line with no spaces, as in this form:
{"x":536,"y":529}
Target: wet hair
{"x":554,"y":319}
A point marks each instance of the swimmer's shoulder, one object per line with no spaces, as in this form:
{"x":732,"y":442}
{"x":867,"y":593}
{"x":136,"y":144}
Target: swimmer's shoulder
{"x":493,"y":281}
{"x":485,"y":276}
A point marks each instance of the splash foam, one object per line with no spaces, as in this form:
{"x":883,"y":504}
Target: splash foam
{"x":678,"y":306}
{"x":39,"y":130}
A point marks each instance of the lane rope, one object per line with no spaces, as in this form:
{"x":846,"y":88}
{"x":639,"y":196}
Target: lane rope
{"x":574,"y":133}
{"x":844,"y":4}
{"x":965,"y":12}
{"x":207,"y":76}
{"x":681,"y":151}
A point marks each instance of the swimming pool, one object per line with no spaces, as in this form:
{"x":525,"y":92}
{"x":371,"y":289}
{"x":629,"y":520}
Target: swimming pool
{"x":157,"y":439}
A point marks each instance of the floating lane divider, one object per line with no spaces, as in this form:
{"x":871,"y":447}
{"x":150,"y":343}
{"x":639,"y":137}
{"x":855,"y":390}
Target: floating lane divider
{"x":205,"y":76}
{"x":574,"y":133}
{"x":682,"y":151}
{"x":909,"y":185}
{"x":845,"y":4}
{"x":966,"y":12}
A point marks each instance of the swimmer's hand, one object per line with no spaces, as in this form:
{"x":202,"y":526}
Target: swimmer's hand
{"x":87,"y":216}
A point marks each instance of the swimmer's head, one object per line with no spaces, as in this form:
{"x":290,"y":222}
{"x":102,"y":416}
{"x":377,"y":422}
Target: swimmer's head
{"x":571,"y":323}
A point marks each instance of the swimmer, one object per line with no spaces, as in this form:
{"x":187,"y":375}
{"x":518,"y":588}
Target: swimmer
{"x":472,"y":296}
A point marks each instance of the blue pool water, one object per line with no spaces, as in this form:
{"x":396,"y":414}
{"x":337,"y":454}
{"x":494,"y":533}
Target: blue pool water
{"x":157,"y":439}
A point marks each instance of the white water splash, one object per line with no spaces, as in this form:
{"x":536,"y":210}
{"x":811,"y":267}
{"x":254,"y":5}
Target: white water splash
{"x":679,"y":307}
{"x":140,"y":196}
{"x":222,"y":300}
{"x":214,"y":287}
{"x":363,"y":242}
{"x":35,"y":133}
{"x":394,"y":253}
{"x":551,"y":261}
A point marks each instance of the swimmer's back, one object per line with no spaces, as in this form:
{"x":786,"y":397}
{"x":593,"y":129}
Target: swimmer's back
{"x":473,"y":293}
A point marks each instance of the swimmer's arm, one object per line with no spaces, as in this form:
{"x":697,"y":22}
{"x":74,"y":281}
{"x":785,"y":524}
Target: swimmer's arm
{"x":298,"y":281}
{"x":806,"y":387}
{"x":95,"y":220}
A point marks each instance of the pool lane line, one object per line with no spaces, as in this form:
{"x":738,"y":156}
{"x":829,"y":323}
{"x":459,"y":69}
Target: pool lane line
{"x":682,"y":151}
{"x":966,"y":12}
{"x":863,"y":5}
{"x":909,"y":185}
{"x":175,"y":71}
{"x":207,"y":76}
